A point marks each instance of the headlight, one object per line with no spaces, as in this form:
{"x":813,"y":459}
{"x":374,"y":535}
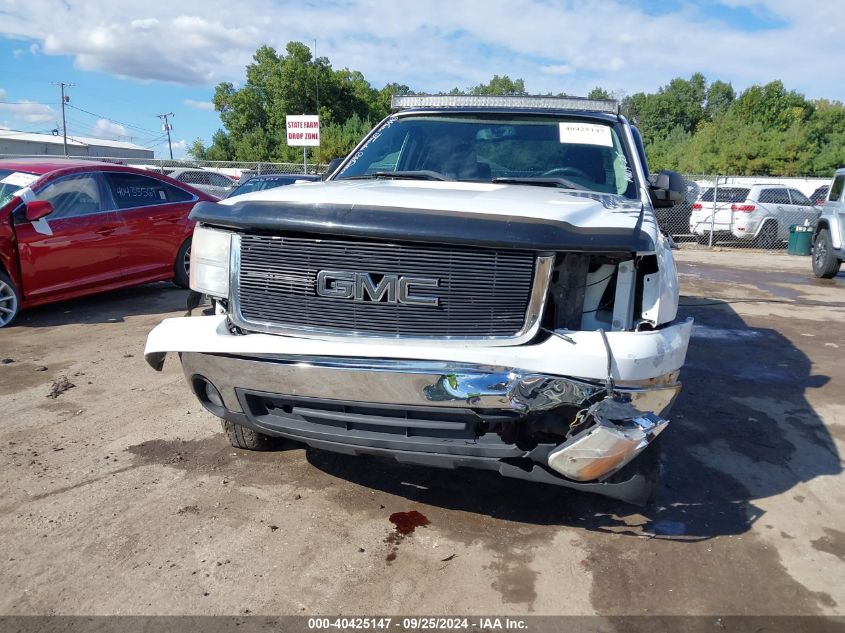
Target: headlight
{"x":210,"y":250}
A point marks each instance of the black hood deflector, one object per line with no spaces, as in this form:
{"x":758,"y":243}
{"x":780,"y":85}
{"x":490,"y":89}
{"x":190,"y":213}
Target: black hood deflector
{"x":420,"y":225}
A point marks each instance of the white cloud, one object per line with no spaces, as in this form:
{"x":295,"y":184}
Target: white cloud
{"x":558,"y":69}
{"x":34,"y":48}
{"x":106,"y":129}
{"x":27,"y":111}
{"x":180,"y":149}
{"x":17,"y":52}
{"x":435,"y":45}
{"x":199,"y":105}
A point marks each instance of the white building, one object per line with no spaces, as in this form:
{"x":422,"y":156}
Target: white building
{"x":13,"y":142}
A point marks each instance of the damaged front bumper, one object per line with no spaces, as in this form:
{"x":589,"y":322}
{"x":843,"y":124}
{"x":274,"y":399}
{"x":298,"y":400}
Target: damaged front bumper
{"x":449,"y":407}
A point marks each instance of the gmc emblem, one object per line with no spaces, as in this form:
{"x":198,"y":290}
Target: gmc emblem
{"x":393,"y":289}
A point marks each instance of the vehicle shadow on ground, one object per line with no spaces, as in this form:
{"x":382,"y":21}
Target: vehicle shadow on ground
{"x":108,"y":307}
{"x":742,"y":430}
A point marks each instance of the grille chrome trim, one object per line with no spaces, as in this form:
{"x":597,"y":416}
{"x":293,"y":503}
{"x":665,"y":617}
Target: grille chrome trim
{"x":543,"y":265}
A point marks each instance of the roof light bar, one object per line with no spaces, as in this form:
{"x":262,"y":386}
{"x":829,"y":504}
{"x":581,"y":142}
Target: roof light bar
{"x":400,"y":102}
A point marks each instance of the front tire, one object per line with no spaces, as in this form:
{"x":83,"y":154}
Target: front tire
{"x":10,"y":300}
{"x":182,"y":266}
{"x":248,"y":439}
{"x":825,"y":263}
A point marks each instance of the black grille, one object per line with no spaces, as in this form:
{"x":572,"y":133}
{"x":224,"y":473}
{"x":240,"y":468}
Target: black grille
{"x":481,"y":292}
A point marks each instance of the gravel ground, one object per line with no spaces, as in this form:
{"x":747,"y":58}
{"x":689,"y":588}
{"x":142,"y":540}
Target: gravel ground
{"x":121,"y":495}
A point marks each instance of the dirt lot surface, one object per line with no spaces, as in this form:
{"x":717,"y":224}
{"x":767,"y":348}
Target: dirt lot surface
{"x":121,"y":495}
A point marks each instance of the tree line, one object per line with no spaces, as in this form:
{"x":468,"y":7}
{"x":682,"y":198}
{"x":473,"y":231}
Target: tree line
{"x":688,"y":125}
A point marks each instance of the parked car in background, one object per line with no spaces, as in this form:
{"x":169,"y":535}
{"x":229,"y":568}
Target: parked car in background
{"x":270,"y":181}
{"x":829,"y":235}
{"x":72,"y":228}
{"x":211,"y":182}
{"x":759,"y":215}
{"x":819,"y":195}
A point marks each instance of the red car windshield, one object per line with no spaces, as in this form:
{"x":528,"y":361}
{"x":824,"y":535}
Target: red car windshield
{"x":10,"y":182}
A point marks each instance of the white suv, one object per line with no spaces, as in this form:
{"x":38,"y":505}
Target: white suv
{"x":829,"y":237}
{"x":761,"y":214}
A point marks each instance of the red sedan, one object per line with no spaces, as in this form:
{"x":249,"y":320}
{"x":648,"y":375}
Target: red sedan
{"x":70,"y":228}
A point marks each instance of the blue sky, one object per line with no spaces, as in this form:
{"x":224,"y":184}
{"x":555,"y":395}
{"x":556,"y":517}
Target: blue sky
{"x":133,"y":60}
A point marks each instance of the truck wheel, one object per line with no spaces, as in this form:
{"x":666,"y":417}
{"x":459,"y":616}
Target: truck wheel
{"x":825,"y":263}
{"x":10,"y":300}
{"x":702,"y":238}
{"x":182,"y":266}
{"x":244,"y":437}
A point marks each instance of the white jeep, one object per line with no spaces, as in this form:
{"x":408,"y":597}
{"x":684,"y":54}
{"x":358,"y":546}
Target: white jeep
{"x":761,"y":214}
{"x":480,"y":283}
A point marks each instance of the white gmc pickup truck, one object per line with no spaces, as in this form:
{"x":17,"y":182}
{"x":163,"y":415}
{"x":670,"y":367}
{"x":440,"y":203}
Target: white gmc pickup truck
{"x":481,"y":283}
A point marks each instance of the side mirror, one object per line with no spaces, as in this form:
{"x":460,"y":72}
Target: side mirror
{"x":334,"y":163}
{"x":667,"y":188}
{"x":38,"y":209}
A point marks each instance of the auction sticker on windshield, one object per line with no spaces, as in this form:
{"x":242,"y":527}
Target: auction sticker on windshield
{"x":19,"y":179}
{"x":585,"y":134}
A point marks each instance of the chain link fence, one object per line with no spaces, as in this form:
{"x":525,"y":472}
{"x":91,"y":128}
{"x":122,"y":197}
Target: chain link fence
{"x":743,"y":211}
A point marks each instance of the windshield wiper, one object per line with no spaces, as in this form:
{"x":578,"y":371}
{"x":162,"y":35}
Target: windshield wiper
{"x":422,"y":174}
{"x":540,"y":181}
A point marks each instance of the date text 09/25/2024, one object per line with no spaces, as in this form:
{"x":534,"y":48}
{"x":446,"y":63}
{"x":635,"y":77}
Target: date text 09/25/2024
{"x":417,"y":624}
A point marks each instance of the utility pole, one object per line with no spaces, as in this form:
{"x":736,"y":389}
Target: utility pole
{"x":64,"y":101}
{"x":167,"y":128}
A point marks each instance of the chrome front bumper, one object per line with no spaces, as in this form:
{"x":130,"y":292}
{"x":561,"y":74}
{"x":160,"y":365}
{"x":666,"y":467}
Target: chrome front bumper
{"x":434,"y":413}
{"x":416,"y":383}
{"x":446,"y":406}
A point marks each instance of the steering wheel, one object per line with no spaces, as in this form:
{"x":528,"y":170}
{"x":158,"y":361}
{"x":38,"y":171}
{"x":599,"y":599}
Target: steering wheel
{"x":566,"y":171}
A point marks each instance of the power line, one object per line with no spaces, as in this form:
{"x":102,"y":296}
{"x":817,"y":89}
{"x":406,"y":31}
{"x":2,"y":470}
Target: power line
{"x":100,"y":116}
{"x":153,"y":143}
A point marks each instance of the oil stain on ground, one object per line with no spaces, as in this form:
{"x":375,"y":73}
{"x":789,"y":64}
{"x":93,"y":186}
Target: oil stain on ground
{"x":404,"y":524}
{"x":510,"y":519}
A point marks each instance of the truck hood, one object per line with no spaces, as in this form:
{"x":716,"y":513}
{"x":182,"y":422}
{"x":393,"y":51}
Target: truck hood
{"x":487,"y":214}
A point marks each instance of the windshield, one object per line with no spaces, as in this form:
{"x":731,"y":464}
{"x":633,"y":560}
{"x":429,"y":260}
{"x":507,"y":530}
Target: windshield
{"x":483,"y":147}
{"x":726,"y":194}
{"x":12,"y":180}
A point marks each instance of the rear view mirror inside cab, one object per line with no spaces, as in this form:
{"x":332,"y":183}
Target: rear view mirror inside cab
{"x":38,"y":209}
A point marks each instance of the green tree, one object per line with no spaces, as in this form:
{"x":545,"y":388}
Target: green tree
{"x":598,"y":93}
{"x":680,"y":103}
{"x":720,"y":96}
{"x":503,"y":85}
{"x":772,"y":105}
{"x":686,"y":125}
{"x":253,"y":116}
